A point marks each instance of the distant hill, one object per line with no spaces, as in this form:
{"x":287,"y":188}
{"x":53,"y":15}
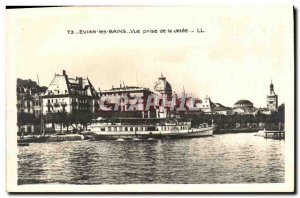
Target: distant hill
{"x":23,"y":85}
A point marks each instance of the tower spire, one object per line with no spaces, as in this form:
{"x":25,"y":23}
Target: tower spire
{"x":271,"y":87}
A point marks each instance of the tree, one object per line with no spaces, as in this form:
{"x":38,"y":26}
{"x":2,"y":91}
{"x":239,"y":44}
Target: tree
{"x":85,"y":118}
{"x":79,"y":117}
{"x":61,"y":118}
{"x":281,"y":113}
{"x":26,"y":118}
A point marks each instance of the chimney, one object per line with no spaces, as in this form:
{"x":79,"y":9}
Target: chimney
{"x":64,"y":72}
{"x":80,"y":81}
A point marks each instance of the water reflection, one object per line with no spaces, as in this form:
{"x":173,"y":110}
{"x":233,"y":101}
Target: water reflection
{"x":227,"y":158}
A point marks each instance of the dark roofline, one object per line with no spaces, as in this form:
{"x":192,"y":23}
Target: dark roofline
{"x":126,"y":89}
{"x":130,"y":87}
{"x":69,"y":95}
{"x":243,"y":101}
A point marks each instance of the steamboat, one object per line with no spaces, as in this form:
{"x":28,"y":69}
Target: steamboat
{"x":144,"y":128}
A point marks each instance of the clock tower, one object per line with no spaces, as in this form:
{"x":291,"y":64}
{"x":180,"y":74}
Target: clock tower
{"x":272,"y":99}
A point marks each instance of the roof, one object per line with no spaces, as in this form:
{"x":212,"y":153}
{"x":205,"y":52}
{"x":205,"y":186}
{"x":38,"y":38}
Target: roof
{"x":220,"y":107}
{"x":126,"y":89}
{"x":163,"y":85}
{"x":263,"y":109}
{"x":243,"y":102}
{"x":64,"y":85}
{"x":246,"y":110}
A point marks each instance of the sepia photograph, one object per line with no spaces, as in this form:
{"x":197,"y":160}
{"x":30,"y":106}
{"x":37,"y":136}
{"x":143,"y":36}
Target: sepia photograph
{"x":150,"y":99}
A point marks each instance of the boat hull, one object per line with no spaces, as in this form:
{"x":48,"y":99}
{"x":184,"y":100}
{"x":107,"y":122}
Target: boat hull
{"x":114,"y":135}
{"x":270,"y":134}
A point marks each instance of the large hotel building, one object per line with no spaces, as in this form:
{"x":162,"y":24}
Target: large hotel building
{"x":66,"y":94}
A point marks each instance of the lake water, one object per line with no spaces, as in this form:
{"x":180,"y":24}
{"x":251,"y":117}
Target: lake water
{"x":226,"y":158}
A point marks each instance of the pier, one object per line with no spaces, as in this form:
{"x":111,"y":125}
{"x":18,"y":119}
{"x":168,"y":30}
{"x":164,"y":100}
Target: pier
{"x":279,"y":135}
{"x":274,"y":135}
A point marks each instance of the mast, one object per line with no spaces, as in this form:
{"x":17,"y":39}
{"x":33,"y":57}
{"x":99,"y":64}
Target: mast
{"x":212,"y":113}
{"x":136,"y":78}
{"x":38,"y":80}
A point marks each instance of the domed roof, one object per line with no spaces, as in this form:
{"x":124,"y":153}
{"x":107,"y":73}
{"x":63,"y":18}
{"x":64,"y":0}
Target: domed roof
{"x":243,"y":102}
{"x":163,"y":86}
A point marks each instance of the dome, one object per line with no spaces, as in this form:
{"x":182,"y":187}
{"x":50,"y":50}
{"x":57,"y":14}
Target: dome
{"x":163,"y":86}
{"x":243,"y":103}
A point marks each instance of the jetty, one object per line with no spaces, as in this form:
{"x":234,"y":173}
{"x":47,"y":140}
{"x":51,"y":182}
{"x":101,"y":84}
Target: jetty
{"x":271,"y":134}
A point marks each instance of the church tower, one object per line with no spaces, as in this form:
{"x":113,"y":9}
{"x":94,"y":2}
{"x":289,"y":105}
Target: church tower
{"x":272,"y":99}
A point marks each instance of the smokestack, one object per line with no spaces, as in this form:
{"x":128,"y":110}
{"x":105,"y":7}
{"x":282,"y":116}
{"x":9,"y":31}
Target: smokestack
{"x":80,"y":82}
{"x":64,"y":72}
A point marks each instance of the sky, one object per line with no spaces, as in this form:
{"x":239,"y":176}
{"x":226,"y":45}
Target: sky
{"x":241,"y":50}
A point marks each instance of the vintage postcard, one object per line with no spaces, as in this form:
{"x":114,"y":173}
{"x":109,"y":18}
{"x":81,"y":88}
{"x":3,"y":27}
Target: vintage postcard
{"x":150,"y":99}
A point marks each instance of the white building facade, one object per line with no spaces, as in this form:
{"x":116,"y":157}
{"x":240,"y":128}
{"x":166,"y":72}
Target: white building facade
{"x":66,"y":94}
